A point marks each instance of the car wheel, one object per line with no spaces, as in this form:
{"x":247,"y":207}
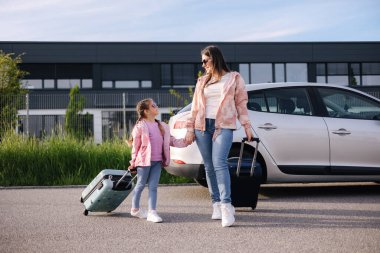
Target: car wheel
{"x":202,"y":182}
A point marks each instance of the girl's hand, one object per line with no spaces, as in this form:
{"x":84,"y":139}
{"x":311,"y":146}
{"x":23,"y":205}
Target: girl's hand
{"x":132,"y":169}
{"x":189,"y":138}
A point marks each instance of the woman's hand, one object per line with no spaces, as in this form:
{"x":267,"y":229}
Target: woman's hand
{"x":189,"y":138}
{"x":249,"y":134}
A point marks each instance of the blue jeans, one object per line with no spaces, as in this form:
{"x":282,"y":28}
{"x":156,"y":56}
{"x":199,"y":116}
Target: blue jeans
{"x":151,"y":175}
{"x":215,"y":154}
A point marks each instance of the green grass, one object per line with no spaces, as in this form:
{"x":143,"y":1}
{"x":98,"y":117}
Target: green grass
{"x":61,"y":160}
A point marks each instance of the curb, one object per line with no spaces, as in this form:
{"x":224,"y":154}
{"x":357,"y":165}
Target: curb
{"x":76,"y":186}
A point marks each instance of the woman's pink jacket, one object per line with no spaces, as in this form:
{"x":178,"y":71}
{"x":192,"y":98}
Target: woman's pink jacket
{"x":141,"y":147}
{"x":233,"y":105}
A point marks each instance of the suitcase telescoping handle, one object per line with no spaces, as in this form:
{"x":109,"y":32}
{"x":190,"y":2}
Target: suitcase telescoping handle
{"x":245,"y":139}
{"x":125,"y":174}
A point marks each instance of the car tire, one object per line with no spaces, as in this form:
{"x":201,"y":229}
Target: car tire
{"x":202,"y":182}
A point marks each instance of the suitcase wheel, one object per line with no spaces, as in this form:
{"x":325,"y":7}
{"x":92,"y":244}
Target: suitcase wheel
{"x":85,"y":212}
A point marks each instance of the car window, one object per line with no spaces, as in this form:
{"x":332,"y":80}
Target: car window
{"x":256,"y":101}
{"x":347,"y":104}
{"x":282,"y":100}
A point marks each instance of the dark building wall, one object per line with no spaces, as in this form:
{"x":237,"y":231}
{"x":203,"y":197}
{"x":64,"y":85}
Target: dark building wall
{"x":172,"y":52}
{"x":102,"y":61}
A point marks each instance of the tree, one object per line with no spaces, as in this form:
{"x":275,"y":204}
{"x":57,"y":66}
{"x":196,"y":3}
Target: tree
{"x":10,"y":90}
{"x":76,"y":124}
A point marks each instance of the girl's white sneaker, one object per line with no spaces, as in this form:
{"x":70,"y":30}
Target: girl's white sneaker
{"x":216,"y":212}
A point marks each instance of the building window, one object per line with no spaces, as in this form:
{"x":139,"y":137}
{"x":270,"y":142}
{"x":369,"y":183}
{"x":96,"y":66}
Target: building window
{"x":31,"y":83}
{"x":126,"y":84}
{"x":86,"y":83}
{"x":49,"y":83}
{"x":354,"y":74}
{"x":337,"y":73}
{"x":296,"y":72}
{"x":61,"y":83}
{"x":123,"y":84}
{"x":371,"y":73}
{"x":244,"y":72}
{"x":321,"y":73}
{"x":107,"y":84}
{"x":349,"y":73}
{"x":113,"y":123}
{"x":273,"y":72}
{"x":67,"y":83}
{"x":179,"y":75}
{"x":146,"y":84}
{"x":261,"y":73}
{"x":183,"y":74}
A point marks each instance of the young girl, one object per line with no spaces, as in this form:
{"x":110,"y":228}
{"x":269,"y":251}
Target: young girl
{"x":150,"y":151}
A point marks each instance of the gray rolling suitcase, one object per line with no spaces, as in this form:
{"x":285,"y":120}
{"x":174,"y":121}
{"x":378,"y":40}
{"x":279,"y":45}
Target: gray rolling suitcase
{"x":246,"y":176}
{"x":107,"y":191}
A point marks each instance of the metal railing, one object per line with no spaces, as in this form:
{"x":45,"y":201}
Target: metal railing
{"x":104,"y":116}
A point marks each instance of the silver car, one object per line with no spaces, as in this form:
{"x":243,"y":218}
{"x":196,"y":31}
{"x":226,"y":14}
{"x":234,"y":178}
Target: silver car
{"x":309,"y":132}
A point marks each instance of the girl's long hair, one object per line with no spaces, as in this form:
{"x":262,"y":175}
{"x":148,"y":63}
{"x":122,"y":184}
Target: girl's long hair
{"x":141,"y":106}
{"x":218,"y":61}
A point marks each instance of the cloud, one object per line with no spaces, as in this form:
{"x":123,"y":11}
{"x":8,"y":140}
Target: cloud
{"x":186,"y":20}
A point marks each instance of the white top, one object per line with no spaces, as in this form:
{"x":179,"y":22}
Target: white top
{"x":213,"y":93}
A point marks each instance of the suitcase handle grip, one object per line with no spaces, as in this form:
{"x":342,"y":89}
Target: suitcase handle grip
{"x":252,"y":140}
{"x":253,"y":165}
{"x":126,"y":174}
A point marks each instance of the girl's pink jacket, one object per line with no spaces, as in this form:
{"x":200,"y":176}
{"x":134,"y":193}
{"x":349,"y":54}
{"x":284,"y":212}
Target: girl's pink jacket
{"x":141,"y":147}
{"x":233,"y":105}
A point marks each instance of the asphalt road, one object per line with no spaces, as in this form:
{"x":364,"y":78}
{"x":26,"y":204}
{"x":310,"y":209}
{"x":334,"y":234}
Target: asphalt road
{"x":288,"y":218}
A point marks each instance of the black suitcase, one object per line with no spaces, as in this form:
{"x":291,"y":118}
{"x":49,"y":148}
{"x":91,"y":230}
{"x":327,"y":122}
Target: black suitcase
{"x":246,"y":175}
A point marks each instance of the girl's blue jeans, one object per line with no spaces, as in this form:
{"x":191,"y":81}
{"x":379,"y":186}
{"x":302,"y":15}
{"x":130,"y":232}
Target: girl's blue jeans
{"x":147,"y":175}
{"x":215,"y":154}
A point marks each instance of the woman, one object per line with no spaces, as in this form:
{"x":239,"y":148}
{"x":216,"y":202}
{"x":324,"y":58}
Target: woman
{"x":219,"y":99}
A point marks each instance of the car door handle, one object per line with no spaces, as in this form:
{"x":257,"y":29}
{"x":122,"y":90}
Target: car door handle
{"x":267,"y":126}
{"x":341,"y":131}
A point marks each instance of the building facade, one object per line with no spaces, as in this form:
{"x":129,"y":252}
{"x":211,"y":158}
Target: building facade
{"x":114,"y":76}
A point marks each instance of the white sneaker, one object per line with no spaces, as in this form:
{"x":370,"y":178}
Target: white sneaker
{"x":228,"y":212}
{"x":216,"y":213}
{"x":153,"y":216}
{"x":141,"y":213}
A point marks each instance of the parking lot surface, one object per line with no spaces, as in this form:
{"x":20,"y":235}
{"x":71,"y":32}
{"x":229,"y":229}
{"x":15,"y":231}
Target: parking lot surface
{"x":288,"y":218}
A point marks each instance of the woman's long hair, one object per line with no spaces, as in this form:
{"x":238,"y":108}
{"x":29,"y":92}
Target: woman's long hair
{"x":141,"y":106}
{"x":218,"y":63}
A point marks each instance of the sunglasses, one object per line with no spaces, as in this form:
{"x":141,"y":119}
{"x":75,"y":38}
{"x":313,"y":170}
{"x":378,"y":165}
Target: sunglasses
{"x":205,"y":61}
{"x":154,"y":105}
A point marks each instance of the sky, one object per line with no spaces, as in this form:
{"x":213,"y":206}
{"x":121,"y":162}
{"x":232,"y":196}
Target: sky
{"x":190,"y":20}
